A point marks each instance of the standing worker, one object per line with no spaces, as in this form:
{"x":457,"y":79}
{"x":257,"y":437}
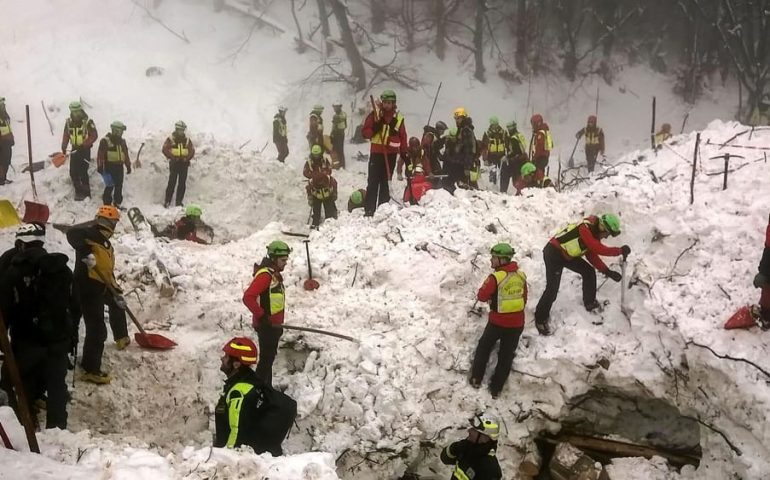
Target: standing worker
{"x":80,"y":132}
{"x":515,"y":156}
{"x":541,"y":146}
{"x":280,"y":134}
{"x":339,"y":125}
{"x":433,"y":145}
{"x":321,"y":186}
{"x":594,"y":143}
{"x":110,"y":158}
{"x":663,"y":135}
{"x":566,"y":250}
{"x":475,"y":457}
{"x":385,"y":128}
{"x":466,"y":145}
{"x":493,"y":144}
{"x":6,"y":142}
{"x":179,"y":150}
{"x":506,"y":291}
{"x":95,"y":263}
{"x":315,"y":131}
{"x":266,"y":299}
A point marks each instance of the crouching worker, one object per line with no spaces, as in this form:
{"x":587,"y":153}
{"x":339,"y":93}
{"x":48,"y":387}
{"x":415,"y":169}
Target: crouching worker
{"x":250,"y":412}
{"x":356,"y":199}
{"x":476,"y":456}
{"x":528,"y":179}
{"x":190,"y":227}
{"x":417,"y":187}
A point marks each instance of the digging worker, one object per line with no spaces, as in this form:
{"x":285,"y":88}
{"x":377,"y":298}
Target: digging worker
{"x":594,"y":141}
{"x":188,"y":227}
{"x":110,"y":159}
{"x":94,"y":266}
{"x":528,"y":179}
{"x":475,"y":457}
{"x":541,"y":146}
{"x":6,"y":143}
{"x":385,"y":128}
{"x":762,"y":280}
{"x":280,"y":134}
{"x":179,"y":150}
{"x":356,"y":199}
{"x":249,"y":412}
{"x":321,"y":187}
{"x":417,"y":186}
{"x":266,"y":298}
{"x":80,"y":132}
{"x":506,"y":291}
{"x":566,"y":250}
{"x":339,"y":125}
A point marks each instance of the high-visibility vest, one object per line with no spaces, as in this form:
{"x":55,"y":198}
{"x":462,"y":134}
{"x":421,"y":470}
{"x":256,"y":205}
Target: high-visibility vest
{"x":510,"y":291}
{"x":5,"y":126}
{"x":180,"y":148}
{"x":277,"y":293}
{"x":496,"y":145}
{"x":392,"y":138}
{"x":282,"y":130}
{"x":661,"y":137}
{"x":548,"y":140}
{"x":569,"y":239}
{"x":234,"y":402}
{"x":105,"y":261}
{"x":78,"y":135}
{"x":340,"y":122}
{"x":114,"y":151}
{"x":592,"y":136}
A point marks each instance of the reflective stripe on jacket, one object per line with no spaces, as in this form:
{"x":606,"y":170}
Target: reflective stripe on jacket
{"x":234,"y":401}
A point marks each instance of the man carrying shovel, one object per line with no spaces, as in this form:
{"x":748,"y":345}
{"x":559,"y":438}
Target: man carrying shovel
{"x":80,"y":132}
{"x":266,"y":298}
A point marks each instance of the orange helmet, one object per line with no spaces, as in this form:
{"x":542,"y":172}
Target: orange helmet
{"x":536,"y":119}
{"x":592,"y":119}
{"x":242,"y":349}
{"x":108,"y":211}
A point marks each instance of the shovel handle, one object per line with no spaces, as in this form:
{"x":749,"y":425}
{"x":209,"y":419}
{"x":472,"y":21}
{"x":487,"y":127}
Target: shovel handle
{"x":309,"y":267}
{"x":114,"y":295}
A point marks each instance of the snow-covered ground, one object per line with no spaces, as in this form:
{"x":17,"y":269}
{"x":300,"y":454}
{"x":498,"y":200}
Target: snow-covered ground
{"x":368,"y":405}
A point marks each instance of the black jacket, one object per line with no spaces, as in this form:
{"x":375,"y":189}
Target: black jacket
{"x":466,"y":144}
{"x":475,"y":460}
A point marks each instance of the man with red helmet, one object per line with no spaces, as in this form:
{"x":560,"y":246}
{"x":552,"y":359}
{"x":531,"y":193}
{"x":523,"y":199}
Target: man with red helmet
{"x":250,"y":412}
{"x":594,"y":142}
{"x":541,"y":145}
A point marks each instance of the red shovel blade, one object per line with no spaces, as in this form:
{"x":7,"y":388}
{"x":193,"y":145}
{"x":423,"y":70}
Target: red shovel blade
{"x":311,"y":284}
{"x":35,"y":212}
{"x":743,"y":318}
{"x":154,"y":340}
{"x":58,"y":159}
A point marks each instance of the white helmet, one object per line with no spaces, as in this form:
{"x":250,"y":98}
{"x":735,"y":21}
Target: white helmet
{"x":419,"y":169}
{"x":487,"y":424}
{"x":31,"y":232}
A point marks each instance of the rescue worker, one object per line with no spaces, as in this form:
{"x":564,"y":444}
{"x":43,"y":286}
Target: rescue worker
{"x":414,"y":157}
{"x":6,"y":142}
{"x":179,"y":150}
{"x":37,"y":301}
{"x":566,"y":249}
{"x":528,"y":179}
{"x":417,"y":186}
{"x":762,"y":280}
{"x":475,"y":457}
{"x":266,"y":299}
{"x":80,"y":132}
{"x":594,"y":141}
{"x":95,"y":265}
{"x":249,"y":412}
{"x":466,"y":146}
{"x":433,"y":140}
{"x":515,"y":156}
{"x":356,"y":199}
{"x":541,"y":146}
{"x":315,"y":132}
{"x":494,"y":142}
{"x":663,"y":135}
{"x":190,"y":227}
{"x":280,"y":134}
{"x":110,"y":159}
{"x":506,"y":291}
{"x":385,"y":129}
{"x":321,"y":187}
{"x":339,"y":126}
{"x":453,"y":166}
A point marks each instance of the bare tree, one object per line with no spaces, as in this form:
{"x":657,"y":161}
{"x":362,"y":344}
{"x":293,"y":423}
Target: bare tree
{"x":324,"y":17}
{"x":522,"y":37}
{"x":354,"y":56}
{"x":478,"y":40}
{"x":439,"y":42}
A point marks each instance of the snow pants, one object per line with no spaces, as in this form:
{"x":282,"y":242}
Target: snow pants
{"x":268,"y":337}
{"x":43,"y":369}
{"x":6,"y":152}
{"x":177,"y":178}
{"x":377,"y":189}
{"x":93,"y":296}
{"x":113,"y":194}
{"x":79,"y":161}
{"x":455,"y":173}
{"x":330,"y":210}
{"x":591,"y":154}
{"x":283,"y":149}
{"x":510,"y":170}
{"x":764,"y":303}
{"x":555,"y":263}
{"x":541,"y":163}
{"x":509,"y":340}
{"x":338,"y":145}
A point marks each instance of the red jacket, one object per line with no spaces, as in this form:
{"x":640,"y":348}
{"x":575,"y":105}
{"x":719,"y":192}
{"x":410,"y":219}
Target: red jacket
{"x":101,"y":154}
{"x":588,"y":237}
{"x":487,"y":292}
{"x":420,"y":185}
{"x":539,"y":144}
{"x":397,"y":139}
{"x":171,"y":142}
{"x":91,"y":134}
{"x":414,"y":158}
{"x":251,"y":298}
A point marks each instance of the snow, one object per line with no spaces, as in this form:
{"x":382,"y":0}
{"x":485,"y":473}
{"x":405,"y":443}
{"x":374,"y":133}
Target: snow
{"x":405,"y":382}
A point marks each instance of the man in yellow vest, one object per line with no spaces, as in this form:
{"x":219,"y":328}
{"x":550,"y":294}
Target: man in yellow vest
{"x":95,"y":265}
{"x":266,"y":299}
{"x":493,"y":146}
{"x":475,"y":457}
{"x":515,"y":156}
{"x":505,"y":290}
{"x":80,"y":132}
{"x":110,"y":159}
{"x":594,"y":141}
{"x":315,"y":130}
{"x":6,"y":143}
{"x":179,"y":150}
{"x":663,"y":135}
{"x":541,"y":145}
{"x":339,"y":126}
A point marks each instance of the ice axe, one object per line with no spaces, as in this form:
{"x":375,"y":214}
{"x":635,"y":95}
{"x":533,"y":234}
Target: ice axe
{"x":310,"y":283}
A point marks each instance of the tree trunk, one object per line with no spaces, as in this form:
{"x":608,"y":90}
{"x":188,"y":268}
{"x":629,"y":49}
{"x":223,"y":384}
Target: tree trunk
{"x":478,"y":40}
{"x":301,"y":42}
{"x":354,"y":56}
{"x":378,"y":16}
{"x":324,"y":19}
{"x":439,"y":43}
{"x":522,"y":37}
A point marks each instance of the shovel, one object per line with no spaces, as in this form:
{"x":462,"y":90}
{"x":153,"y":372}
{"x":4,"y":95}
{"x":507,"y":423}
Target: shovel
{"x":143,"y":339}
{"x":623,"y":307}
{"x":58,"y":159}
{"x":34,"y":212}
{"x":310,"y":283}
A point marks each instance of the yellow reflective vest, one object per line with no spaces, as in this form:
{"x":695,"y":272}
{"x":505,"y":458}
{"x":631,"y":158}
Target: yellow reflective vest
{"x":5,"y":126}
{"x":276,"y":300}
{"x":510,"y":291}
{"x":569,"y":239}
{"x":115,"y":153}
{"x":387,"y":137}
{"x":234,"y":402}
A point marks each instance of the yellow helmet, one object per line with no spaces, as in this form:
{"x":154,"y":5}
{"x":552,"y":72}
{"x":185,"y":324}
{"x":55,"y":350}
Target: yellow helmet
{"x":460,"y":112}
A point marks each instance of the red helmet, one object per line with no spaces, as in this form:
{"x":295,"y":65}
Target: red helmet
{"x":592,"y":119}
{"x":243,"y":349}
{"x":536,"y":119}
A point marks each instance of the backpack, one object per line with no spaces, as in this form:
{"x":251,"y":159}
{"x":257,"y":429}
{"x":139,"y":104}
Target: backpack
{"x":277,"y":418}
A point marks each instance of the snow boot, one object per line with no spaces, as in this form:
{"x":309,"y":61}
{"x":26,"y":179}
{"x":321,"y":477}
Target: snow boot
{"x":475,"y":383}
{"x":543,"y":328}
{"x":99,"y":378}
{"x":122,"y":343}
{"x":595,"y":307}
{"x":764,"y":319}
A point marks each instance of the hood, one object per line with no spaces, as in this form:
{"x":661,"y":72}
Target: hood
{"x":509,"y":267}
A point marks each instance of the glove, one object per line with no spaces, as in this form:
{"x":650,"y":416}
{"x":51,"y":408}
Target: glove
{"x":616,"y":276}
{"x":760,"y":280}
{"x":626,"y":251}
{"x":90,"y":260}
{"x":400,"y":177}
{"x":120,"y":302}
